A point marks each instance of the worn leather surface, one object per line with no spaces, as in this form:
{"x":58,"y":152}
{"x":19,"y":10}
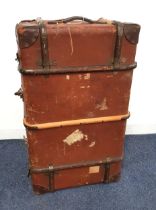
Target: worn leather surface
{"x":73,"y":45}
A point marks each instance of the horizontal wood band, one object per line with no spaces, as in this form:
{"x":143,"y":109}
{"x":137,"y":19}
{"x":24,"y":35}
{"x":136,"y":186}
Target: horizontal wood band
{"x":75,"y":122}
{"x":76,"y":69}
{"x":75,"y":165}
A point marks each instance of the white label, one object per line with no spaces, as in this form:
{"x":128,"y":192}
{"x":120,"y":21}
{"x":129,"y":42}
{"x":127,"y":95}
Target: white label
{"x":94,"y":169}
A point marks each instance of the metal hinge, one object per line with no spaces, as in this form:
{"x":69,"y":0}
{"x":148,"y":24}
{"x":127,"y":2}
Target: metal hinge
{"x":17,"y":57}
{"x":19,"y":93}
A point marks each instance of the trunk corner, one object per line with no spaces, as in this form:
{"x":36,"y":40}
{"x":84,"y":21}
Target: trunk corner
{"x":131,"y":32}
{"x":27,"y":33}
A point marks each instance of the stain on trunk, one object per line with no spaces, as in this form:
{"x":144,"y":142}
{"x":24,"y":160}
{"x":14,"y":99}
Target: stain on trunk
{"x":103,"y":105}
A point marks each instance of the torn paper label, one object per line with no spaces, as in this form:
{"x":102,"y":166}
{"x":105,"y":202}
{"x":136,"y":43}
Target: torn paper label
{"x":74,"y":137}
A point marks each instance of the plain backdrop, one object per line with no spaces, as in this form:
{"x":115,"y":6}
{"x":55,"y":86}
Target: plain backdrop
{"x":143,"y":92}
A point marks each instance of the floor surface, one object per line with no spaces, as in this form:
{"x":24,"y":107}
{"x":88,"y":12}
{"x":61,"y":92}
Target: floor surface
{"x":135,"y":190}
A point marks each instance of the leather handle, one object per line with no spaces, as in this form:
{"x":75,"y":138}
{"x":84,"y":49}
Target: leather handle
{"x":67,"y":20}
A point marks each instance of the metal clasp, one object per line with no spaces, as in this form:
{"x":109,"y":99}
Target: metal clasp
{"x":17,"y":57}
{"x":107,"y":170}
{"x":50,"y":178}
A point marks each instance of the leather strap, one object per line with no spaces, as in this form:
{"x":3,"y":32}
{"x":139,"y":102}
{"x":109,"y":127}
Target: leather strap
{"x":118,"y":44}
{"x":44,"y":44}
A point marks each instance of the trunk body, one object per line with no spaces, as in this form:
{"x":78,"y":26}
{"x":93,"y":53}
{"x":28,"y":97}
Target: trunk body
{"x":76,"y":80}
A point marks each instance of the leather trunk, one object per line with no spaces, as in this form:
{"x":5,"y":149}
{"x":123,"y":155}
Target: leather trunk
{"x":76,"y":79}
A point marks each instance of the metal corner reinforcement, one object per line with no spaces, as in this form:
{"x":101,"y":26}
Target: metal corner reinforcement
{"x":40,"y":126}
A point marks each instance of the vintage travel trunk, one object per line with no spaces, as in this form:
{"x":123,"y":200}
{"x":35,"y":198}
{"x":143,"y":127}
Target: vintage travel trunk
{"x":76,"y":79}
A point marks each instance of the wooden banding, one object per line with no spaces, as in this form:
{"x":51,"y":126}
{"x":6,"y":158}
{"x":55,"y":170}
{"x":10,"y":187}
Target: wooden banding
{"x":78,"y":69}
{"x":41,"y":126}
